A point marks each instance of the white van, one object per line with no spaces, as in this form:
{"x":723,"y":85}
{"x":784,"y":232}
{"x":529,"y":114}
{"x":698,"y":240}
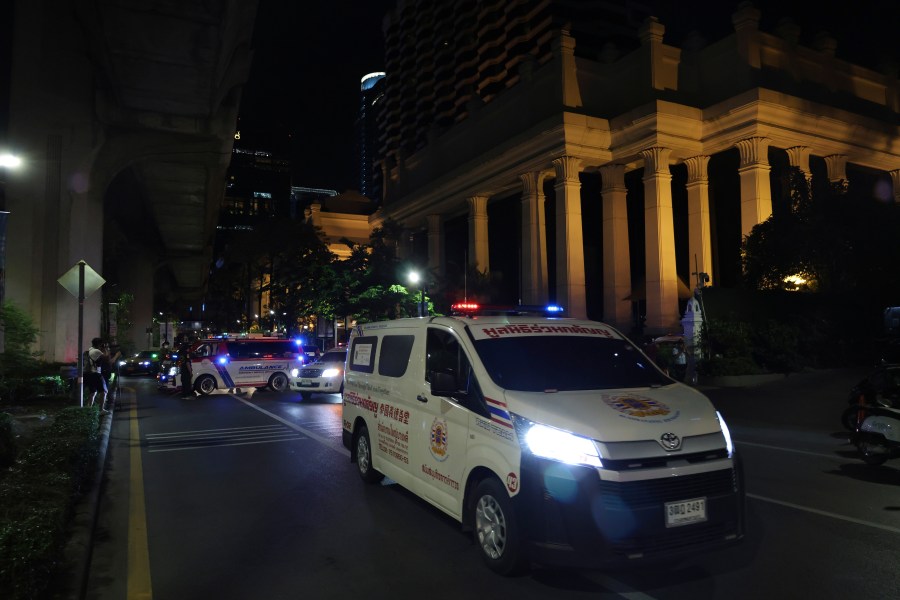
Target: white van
{"x":556,"y":440}
{"x":243,"y":363}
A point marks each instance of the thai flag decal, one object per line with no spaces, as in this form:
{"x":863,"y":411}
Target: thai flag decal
{"x":499,"y":414}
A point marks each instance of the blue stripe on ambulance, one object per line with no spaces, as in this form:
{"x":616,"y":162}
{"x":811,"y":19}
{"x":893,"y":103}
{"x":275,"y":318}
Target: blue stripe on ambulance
{"x":223,"y":373}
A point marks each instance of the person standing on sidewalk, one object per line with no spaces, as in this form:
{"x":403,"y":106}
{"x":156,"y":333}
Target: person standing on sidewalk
{"x":98,"y":360}
{"x":184,"y":360}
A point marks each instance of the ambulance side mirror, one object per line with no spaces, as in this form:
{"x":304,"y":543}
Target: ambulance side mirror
{"x":444,"y":384}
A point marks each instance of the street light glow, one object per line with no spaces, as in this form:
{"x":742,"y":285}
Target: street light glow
{"x":10,"y":161}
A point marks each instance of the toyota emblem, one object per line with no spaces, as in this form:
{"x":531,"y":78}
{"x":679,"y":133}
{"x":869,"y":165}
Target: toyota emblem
{"x":670,"y":441}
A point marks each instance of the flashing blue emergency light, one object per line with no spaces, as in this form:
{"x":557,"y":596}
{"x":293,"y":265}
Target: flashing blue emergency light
{"x":553,"y":308}
{"x":223,"y":360}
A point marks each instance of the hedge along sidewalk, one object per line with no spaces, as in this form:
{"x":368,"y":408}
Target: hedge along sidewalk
{"x":40,"y":498}
{"x":72,"y":576}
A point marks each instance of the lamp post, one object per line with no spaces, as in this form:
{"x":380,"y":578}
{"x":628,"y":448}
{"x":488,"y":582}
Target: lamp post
{"x":415,"y":278}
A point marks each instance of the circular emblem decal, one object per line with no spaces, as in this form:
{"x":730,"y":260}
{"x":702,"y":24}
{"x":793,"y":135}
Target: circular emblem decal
{"x":670,"y":441}
{"x":512,"y":482}
{"x":438,"y":444}
{"x":636,"y":406}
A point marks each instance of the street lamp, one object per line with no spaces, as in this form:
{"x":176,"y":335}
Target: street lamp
{"x":415,"y":278}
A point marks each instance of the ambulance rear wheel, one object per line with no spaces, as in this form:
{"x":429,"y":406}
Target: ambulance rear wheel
{"x":364,"y":457}
{"x":205,"y":384}
{"x":496,"y":529}
{"x":278,"y":382}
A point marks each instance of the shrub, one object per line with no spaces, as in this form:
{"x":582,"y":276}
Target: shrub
{"x":37,"y":498}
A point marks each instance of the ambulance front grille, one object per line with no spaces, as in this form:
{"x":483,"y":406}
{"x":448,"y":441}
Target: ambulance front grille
{"x":653,"y":492}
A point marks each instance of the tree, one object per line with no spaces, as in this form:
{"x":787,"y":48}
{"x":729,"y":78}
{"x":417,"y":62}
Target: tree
{"x":365,"y":284}
{"x":833,"y":239}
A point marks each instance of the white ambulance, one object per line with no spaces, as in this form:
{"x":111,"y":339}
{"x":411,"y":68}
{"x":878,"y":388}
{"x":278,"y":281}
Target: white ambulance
{"x":557,"y":441}
{"x":243,"y":363}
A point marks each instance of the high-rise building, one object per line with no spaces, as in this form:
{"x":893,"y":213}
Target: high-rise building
{"x":371,"y":95}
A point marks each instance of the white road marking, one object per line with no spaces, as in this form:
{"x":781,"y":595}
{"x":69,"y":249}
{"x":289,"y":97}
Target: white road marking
{"x":825,"y":513}
{"x":339,"y":446}
{"x":792,"y":450}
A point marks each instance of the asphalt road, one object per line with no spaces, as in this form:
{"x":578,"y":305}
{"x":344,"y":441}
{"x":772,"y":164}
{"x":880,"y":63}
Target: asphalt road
{"x":253,"y":496}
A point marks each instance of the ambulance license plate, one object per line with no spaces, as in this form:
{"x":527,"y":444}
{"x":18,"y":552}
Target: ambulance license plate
{"x":685,"y":512}
{"x":306,"y":383}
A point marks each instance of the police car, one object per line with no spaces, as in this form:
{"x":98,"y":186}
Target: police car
{"x":589,"y":457}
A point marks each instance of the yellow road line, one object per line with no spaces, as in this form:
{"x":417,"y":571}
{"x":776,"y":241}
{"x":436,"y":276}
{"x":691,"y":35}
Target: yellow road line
{"x":139,"y":587}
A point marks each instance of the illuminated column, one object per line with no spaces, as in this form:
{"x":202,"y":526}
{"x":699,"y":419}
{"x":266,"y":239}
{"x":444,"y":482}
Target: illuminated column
{"x":435,"y":244}
{"x":570,"y":287}
{"x":837,"y":170}
{"x":478,"y":233}
{"x":534,"y":240}
{"x":798,"y":156}
{"x":895,"y":179}
{"x":616,"y":253}
{"x":756,"y":193}
{"x":699,"y":238}
{"x":659,"y":233}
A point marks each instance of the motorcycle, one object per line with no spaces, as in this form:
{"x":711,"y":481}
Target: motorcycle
{"x":878,"y":436}
{"x":879,"y":389}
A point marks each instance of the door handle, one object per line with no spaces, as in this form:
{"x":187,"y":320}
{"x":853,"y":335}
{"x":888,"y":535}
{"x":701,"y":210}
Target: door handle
{"x":421,"y":398}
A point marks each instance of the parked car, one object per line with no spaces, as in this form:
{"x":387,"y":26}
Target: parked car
{"x":145,"y":362}
{"x":324,"y":376}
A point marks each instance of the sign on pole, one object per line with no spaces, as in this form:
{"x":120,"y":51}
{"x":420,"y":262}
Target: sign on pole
{"x":81,"y":281}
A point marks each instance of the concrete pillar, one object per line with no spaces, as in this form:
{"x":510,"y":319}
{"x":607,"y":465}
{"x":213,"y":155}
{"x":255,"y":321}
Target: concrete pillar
{"x":564,"y":49}
{"x":616,"y":252}
{"x":534,"y":240}
{"x":570,"y":283}
{"x":479,"y":256}
{"x":435,"y":244}
{"x":837,"y":170}
{"x":756,"y":192}
{"x":746,"y":27}
{"x":659,"y":231}
{"x":699,"y":237}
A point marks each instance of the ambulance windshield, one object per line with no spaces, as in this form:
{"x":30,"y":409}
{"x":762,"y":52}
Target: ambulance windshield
{"x":562,"y":363}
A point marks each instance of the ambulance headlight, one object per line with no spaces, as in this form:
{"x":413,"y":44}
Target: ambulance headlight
{"x":725,"y":432}
{"x":295,"y":373}
{"x":331,"y":372}
{"x":555,"y":444}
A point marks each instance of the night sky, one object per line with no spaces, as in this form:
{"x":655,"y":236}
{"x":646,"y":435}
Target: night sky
{"x":310,"y":56}
{"x":308,"y":60}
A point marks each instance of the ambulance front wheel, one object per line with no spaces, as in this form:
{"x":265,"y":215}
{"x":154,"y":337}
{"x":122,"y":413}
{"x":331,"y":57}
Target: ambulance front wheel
{"x":278,"y":382}
{"x":205,"y":384}
{"x":496,"y":529}
{"x":364,"y":457}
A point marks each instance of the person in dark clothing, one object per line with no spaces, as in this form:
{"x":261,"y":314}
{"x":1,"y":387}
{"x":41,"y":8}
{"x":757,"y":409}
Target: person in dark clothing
{"x":184,"y":365}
